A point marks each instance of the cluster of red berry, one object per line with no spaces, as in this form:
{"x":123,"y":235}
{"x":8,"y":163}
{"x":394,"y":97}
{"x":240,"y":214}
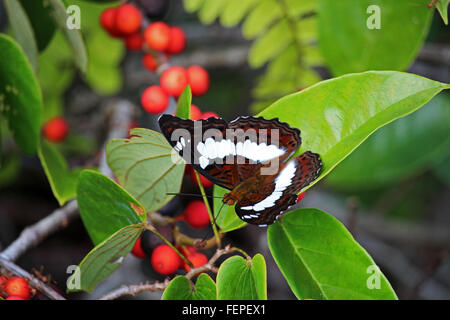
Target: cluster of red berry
{"x":14,"y":288}
{"x":158,"y":41}
{"x":162,"y":257}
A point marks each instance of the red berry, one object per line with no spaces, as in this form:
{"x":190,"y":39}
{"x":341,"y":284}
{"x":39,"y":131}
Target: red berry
{"x":137,"y":249}
{"x":197,"y":259}
{"x":196,"y":214}
{"x":134,"y":41}
{"x":17,"y":286}
{"x":165,"y":260}
{"x":300,"y":197}
{"x":55,"y":129}
{"x":15,"y":298}
{"x":196,"y":113}
{"x":209,"y":114}
{"x":154,"y":100}
{"x":177,"y":41}
{"x":157,"y":36}
{"x":174,"y":80}
{"x":149,"y":62}
{"x":205,"y":181}
{"x":198,"y":79}
{"x":128,"y":19}
{"x":107,"y":19}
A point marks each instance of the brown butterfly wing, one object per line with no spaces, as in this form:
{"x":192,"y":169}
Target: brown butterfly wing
{"x":282,"y":193}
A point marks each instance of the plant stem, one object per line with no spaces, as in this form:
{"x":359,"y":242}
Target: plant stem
{"x":211,"y":217}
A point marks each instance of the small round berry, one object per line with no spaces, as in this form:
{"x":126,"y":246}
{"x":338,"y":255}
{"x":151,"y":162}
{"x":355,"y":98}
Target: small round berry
{"x":137,"y":249}
{"x":196,"y":113}
{"x":165,"y":260}
{"x":157,"y":36}
{"x":134,"y":41}
{"x":108,"y":18}
{"x":300,"y":197}
{"x":56,"y":129}
{"x":154,"y":100}
{"x":149,"y":62}
{"x":128,"y":19}
{"x":197,"y":259}
{"x":177,"y":41}
{"x":196,"y":214}
{"x":198,"y":79}
{"x":15,"y":298}
{"x":206,"y":183}
{"x":174,"y":80}
{"x":209,"y":114}
{"x":17,"y":286}
{"x":151,"y":241}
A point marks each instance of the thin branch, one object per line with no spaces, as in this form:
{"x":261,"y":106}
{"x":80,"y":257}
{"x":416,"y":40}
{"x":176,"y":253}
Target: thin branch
{"x":135,"y":289}
{"x":11,"y":267}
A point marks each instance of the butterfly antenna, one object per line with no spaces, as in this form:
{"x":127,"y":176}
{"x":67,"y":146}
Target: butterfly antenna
{"x":210,"y":234}
{"x":190,"y":195}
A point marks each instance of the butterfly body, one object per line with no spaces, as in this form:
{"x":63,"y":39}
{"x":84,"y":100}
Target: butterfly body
{"x":250,"y":157}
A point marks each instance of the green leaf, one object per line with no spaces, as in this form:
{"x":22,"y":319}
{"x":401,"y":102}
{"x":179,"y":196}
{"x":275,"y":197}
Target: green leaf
{"x":235,"y":10}
{"x":401,"y":149}
{"x":10,"y":167}
{"x":320,"y":259}
{"x":210,"y":11}
{"x":225,"y":215}
{"x":20,"y":95}
{"x":23,"y":31}
{"x":184,"y":103}
{"x":260,"y":18}
{"x":264,"y":49}
{"x":62,"y":180}
{"x":104,"y":259}
{"x":442,"y":6}
{"x":146,"y":166}
{"x":180,"y":288}
{"x":104,"y":206}
{"x":73,"y":36}
{"x":348,"y":45}
{"x":337,"y":115}
{"x":38,"y":12}
{"x":192,"y":5}
{"x":241,"y":279}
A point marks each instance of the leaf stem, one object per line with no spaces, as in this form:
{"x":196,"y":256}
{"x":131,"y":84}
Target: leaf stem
{"x":211,"y":217}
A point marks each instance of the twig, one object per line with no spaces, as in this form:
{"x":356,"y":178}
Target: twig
{"x":135,"y":289}
{"x":60,"y":218}
{"x":32,"y":280}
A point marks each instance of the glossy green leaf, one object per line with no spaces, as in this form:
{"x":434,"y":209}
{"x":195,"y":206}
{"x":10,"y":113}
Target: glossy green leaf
{"x":225,"y":215}
{"x":401,"y":149}
{"x":180,"y":288}
{"x":20,"y":95}
{"x":147,"y":167}
{"x":349,"y":43}
{"x":442,"y":6}
{"x":192,"y":5}
{"x":73,"y":36}
{"x":320,"y":259}
{"x":38,"y":11}
{"x":104,"y":259}
{"x":105,"y":207}
{"x":242,"y":279}
{"x":23,"y":31}
{"x":62,"y":180}
{"x":337,"y":115}
{"x":184,"y":104}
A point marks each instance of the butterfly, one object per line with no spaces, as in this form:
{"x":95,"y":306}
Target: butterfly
{"x":248,"y":156}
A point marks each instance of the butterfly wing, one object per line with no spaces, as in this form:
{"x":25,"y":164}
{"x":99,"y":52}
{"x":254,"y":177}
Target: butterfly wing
{"x":226,"y":153}
{"x":294,"y":176}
